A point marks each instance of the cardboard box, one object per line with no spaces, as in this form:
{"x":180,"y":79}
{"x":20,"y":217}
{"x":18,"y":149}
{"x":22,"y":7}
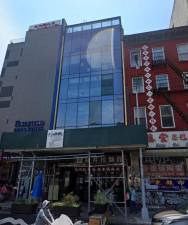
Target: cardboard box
{"x":97,"y":220}
{"x":93,"y":221}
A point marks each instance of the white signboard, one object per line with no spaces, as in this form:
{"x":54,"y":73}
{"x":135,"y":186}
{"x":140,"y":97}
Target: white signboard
{"x":55,"y":139}
{"x":45,"y":25}
{"x":166,"y":139}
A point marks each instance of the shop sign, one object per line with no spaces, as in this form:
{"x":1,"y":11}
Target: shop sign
{"x":45,"y":25}
{"x":166,"y":184}
{"x":29,"y":126}
{"x":164,"y":170}
{"x":172,"y":139}
{"x":55,"y":139}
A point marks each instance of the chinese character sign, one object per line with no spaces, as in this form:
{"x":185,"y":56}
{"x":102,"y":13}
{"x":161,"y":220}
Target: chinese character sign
{"x":168,"y":139}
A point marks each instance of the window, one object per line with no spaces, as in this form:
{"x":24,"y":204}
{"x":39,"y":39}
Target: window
{"x":61,"y":116}
{"x":73,"y":88}
{"x":84,"y":87}
{"x":107,"y":85}
{"x":158,"y":54}
{"x":95,"y":113}
{"x":140,"y":112}
{"x":185,"y":79}
{"x":77,"y":28}
{"x":135,"y":58}
{"x":167,"y":117}
{"x":107,"y":112}
{"x":106,"y":23}
{"x":71,"y":115}
{"x":83,"y":114}
{"x":63,"y":89}
{"x":138,"y":84}
{"x":182,"y":52}
{"x":96,"y":25}
{"x":86,"y":27}
{"x":118,"y":84}
{"x":162,"y":82}
{"x":95,"y":86}
{"x":118,"y":111}
{"x":115,"y":22}
{"x":75,"y":64}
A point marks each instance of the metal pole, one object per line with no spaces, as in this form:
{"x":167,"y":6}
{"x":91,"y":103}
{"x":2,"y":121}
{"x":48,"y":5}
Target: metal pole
{"x":19,"y":179}
{"x":31,"y":178}
{"x":145,"y":214}
{"x":89,"y":182}
{"x":124,"y":184}
{"x":137,"y":108}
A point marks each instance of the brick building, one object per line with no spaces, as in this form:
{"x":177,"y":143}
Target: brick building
{"x":156,"y":65}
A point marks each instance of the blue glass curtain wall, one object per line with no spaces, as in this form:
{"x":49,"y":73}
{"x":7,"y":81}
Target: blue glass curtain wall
{"x":91,"y":89}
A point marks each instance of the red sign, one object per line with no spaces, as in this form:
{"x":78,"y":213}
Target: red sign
{"x":45,"y":25}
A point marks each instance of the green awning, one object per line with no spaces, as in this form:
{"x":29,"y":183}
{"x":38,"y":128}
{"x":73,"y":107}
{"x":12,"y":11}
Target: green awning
{"x":86,"y":137}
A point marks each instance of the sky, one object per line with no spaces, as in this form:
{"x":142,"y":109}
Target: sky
{"x":137,"y":15}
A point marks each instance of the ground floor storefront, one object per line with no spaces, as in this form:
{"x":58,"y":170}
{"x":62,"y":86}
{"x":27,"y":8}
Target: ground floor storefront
{"x":110,"y":171}
{"x":107,"y":160}
{"x":166,"y":180}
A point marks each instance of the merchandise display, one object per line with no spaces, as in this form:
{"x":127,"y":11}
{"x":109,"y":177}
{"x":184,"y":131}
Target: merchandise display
{"x":165,"y":181}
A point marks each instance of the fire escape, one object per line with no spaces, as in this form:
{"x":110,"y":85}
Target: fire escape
{"x":168,"y":94}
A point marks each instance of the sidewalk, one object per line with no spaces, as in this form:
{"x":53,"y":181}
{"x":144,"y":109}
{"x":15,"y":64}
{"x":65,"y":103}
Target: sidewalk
{"x":131,"y":220}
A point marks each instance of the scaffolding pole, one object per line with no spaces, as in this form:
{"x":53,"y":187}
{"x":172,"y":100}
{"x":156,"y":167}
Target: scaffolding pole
{"x":124,"y":184}
{"x":89,"y":182}
{"x":31,"y":177}
{"x":19,"y":179}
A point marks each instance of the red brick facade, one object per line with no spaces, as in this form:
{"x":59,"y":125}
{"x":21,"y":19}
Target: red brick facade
{"x":152,"y":97}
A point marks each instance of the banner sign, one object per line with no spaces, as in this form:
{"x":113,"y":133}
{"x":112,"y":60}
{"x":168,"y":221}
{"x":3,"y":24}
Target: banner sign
{"x":45,"y":25}
{"x":55,"y":139}
{"x":164,"y":170}
{"x":166,"y":184}
{"x":167,"y":139}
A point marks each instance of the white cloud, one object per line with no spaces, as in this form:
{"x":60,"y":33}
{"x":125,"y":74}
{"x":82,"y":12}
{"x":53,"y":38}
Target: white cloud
{"x":8,"y":30}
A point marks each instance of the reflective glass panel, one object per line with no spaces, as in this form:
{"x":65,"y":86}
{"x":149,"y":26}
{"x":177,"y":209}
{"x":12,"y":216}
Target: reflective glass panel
{"x":77,"y":28}
{"x":66,"y":65}
{"x":118,"y":111}
{"x":107,"y":85}
{"x":118,"y":84}
{"x":71,"y":115}
{"x":84,"y":87}
{"x":107,"y":112}
{"x":73,"y":88}
{"x":96,"y":25}
{"x":115,"y":22}
{"x":75,"y":64}
{"x":61,"y":115}
{"x":106,"y":23}
{"x":95,"y":113}
{"x":85,"y":63}
{"x":63,"y":89}
{"x":83,"y":114}
{"x":87,"y":27}
{"x":95,"y":86}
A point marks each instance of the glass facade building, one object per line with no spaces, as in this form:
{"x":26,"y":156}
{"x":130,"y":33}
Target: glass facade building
{"x":91,"y":86}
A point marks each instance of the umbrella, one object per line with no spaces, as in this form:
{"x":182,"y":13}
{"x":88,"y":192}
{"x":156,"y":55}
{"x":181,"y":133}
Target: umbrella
{"x":37,"y":186}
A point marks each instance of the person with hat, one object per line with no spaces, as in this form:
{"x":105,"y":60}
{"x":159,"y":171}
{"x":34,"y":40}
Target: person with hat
{"x":44,"y":216}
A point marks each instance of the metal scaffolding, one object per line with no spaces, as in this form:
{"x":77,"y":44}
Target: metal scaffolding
{"x":98,"y":180}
